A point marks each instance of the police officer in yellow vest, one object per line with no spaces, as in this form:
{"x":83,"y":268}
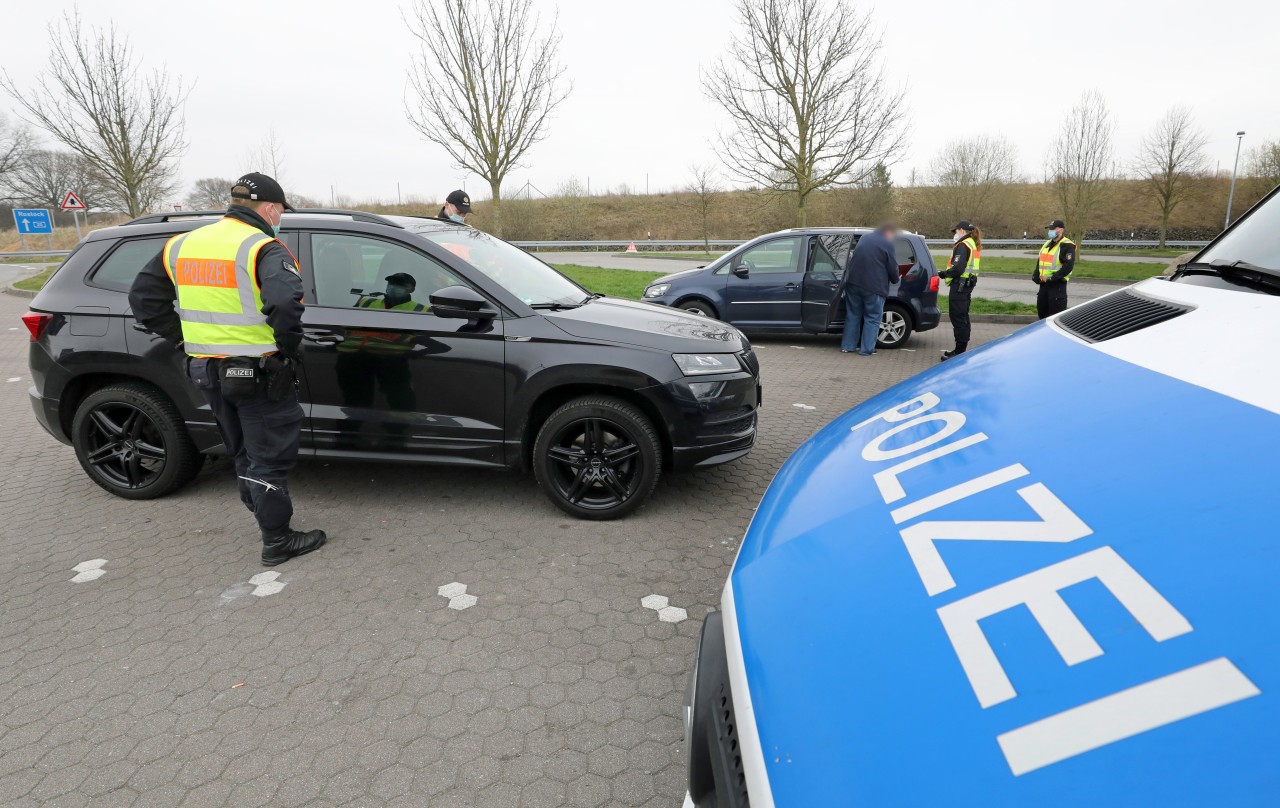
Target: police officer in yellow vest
{"x":1053,"y":270}
{"x":238,"y":316}
{"x":961,"y":275}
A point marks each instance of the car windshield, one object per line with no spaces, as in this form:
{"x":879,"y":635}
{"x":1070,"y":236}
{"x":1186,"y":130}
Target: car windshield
{"x":515,"y":270}
{"x":1255,"y":241}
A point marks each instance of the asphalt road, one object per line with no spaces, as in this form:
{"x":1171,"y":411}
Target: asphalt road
{"x":143,"y":662}
{"x":995,"y":287}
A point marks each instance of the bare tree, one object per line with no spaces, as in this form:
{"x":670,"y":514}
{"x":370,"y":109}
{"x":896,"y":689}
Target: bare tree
{"x":1168,"y":162}
{"x":1262,"y":167}
{"x":1082,"y":161}
{"x":703,"y":190}
{"x":872,"y":200}
{"x":268,"y":156}
{"x":807,"y":96}
{"x":94,"y":99}
{"x":15,"y":141}
{"x":210,"y":193}
{"x":972,"y":176}
{"x":484,"y":83}
{"x":44,"y":177}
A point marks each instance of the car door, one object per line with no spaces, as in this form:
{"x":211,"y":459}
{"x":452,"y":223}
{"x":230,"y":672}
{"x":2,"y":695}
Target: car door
{"x":386,"y":377}
{"x":763,"y":286}
{"x":823,"y":304}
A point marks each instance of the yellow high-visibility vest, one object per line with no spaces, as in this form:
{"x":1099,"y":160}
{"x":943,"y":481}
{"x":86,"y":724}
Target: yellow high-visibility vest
{"x":214,"y":270}
{"x":1049,"y":262}
{"x":975,"y":260}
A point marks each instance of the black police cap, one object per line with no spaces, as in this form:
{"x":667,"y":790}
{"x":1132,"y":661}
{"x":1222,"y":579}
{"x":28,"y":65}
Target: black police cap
{"x":261,"y":188}
{"x":1056,"y":223}
{"x":460,"y":200}
{"x":966,"y":226}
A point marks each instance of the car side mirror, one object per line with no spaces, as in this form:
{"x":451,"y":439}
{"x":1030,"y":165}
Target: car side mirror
{"x":741,"y":272}
{"x":461,"y":303}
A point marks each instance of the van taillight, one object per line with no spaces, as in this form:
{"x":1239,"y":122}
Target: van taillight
{"x":933,"y":284}
{"x":36,"y":322}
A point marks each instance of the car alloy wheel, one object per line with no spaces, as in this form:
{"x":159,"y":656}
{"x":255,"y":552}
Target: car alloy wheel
{"x":124,"y":446}
{"x":893,"y":328}
{"x":596,"y":464}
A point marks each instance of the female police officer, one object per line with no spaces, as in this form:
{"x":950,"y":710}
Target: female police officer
{"x":961,"y":275}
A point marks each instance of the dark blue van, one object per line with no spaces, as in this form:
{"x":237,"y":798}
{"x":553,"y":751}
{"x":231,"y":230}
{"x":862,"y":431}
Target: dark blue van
{"x":788,"y":281}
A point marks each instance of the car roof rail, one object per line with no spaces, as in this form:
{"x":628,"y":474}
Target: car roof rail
{"x":356,"y":216}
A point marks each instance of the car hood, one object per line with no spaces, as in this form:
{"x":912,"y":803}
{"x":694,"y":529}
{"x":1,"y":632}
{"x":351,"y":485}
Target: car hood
{"x":1041,"y":574}
{"x":677,"y":275}
{"x":648,"y":325}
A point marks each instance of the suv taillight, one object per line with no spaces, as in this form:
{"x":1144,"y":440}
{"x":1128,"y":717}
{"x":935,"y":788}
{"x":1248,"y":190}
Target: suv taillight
{"x":36,"y":322}
{"x":933,"y":284}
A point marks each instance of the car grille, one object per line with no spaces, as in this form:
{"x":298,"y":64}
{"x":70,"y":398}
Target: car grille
{"x":1116,"y":315}
{"x":740,"y":420}
{"x":727,"y":732}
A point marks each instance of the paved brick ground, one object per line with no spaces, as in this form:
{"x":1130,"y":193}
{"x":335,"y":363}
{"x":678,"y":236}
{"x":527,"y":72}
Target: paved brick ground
{"x":165,"y":681}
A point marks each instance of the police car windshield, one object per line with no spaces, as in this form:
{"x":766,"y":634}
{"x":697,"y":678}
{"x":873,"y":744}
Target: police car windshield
{"x":515,"y":270}
{"x":1254,"y":242}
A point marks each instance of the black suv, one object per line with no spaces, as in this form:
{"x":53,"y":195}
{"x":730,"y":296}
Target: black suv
{"x":498,"y":361}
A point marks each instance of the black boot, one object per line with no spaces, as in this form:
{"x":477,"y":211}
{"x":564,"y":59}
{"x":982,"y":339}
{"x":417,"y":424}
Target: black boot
{"x":287,"y":543}
{"x":956,"y":351}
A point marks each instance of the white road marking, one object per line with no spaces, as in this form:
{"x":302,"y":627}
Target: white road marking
{"x":265,"y":583}
{"x":89,"y":570}
{"x":798,"y":347}
{"x":457,"y":595}
{"x":666,"y":612}
{"x":14,"y":379}
{"x":804,"y":406}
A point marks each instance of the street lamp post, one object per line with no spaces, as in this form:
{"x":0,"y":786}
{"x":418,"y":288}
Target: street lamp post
{"x":1231,"y":196}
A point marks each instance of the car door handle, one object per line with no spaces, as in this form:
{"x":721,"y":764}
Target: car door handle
{"x":326,"y":338}
{"x":791,"y":286}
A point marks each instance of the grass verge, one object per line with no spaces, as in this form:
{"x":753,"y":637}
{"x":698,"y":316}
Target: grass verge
{"x":612,"y":282}
{"x":36,"y":282}
{"x":1085,"y":268}
{"x":678,"y":256}
{"x":985,"y":305}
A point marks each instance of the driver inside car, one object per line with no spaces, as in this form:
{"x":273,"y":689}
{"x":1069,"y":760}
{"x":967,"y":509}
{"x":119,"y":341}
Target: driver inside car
{"x":398,"y":296}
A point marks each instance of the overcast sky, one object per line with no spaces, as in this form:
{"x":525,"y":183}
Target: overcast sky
{"x":637,"y":108}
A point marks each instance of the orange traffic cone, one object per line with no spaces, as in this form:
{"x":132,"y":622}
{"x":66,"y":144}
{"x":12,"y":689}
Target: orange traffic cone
{"x":632,"y":247}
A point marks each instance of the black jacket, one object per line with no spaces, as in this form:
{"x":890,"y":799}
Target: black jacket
{"x":873,"y":267}
{"x":153,"y":295}
{"x":1066,"y":257}
{"x":960,"y":255}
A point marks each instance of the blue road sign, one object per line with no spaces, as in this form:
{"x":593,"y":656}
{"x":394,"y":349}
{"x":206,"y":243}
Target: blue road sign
{"x":33,"y":221}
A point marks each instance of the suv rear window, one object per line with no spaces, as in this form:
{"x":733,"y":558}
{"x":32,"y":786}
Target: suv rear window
{"x":124,"y":263}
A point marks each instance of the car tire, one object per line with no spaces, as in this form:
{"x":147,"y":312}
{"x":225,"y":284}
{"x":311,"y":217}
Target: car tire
{"x":699,"y":307}
{"x":597,"y":457}
{"x":130,"y":439}
{"x":895,"y":327}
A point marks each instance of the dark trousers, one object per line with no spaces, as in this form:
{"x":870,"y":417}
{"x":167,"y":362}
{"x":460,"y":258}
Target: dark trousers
{"x":1051,"y":299}
{"x":262,"y":437}
{"x":961,"y":296}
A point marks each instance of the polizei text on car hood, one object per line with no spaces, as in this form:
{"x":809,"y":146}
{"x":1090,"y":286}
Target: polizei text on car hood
{"x":1042,"y":574}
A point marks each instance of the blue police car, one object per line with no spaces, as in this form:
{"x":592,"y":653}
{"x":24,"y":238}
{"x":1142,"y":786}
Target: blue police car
{"x":1042,"y":575}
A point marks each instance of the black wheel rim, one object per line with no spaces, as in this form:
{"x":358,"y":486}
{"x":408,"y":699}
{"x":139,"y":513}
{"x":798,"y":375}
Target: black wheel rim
{"x":123,"y":445}
{"x":595,"y":463}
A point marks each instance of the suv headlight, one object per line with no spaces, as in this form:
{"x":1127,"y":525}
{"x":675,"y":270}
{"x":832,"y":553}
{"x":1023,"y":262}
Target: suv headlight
{"x":657,"y":290}
{"x":702,"y":364}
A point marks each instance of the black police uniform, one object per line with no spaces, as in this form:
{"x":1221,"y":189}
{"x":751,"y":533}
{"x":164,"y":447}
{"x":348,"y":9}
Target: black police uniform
{"x":1051,"y":297}
{"x":260,"y":434}
{"x":960,"y":295}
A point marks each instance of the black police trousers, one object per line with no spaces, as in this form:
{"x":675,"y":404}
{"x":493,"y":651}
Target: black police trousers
{"x":262,"y":436}
{"x":961,"y":295}
{"x":1051,"y":299}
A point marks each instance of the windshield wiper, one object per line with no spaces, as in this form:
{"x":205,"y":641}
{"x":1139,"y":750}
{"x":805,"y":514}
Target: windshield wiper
{"x":591,"y":297}
{"x":555,"y":306}
{"x":1238,"y":271}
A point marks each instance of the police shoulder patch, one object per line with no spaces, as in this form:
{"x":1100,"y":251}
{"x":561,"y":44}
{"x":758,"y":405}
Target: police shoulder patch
{"x":289,"y":266}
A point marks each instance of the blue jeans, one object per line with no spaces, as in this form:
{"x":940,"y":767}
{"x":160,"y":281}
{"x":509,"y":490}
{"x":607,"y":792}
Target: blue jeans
{"x":862,"y":312}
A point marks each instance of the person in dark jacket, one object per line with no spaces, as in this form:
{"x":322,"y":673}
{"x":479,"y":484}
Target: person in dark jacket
{"x":242,"y":344}
{"x":961,"y":275}
{"x":872,"y":271}
{"x":1053,"y":270}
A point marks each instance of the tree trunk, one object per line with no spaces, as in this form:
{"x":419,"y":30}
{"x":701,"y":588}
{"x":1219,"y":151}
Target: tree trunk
{"x":495,"y":188}
{"x":1164,"y":227}
{"x":802,"y":215}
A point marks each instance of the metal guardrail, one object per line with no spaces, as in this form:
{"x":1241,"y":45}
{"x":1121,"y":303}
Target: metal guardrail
{"x":646,"y":244}
{"x":36,"y":254}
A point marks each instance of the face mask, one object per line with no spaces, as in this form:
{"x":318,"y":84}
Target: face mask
{"x":1053,"y":234}
{"x":959,"y":235}
{"x":275,"y":228}
{"x":396,"y":294}
{"x":457,"y":217}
